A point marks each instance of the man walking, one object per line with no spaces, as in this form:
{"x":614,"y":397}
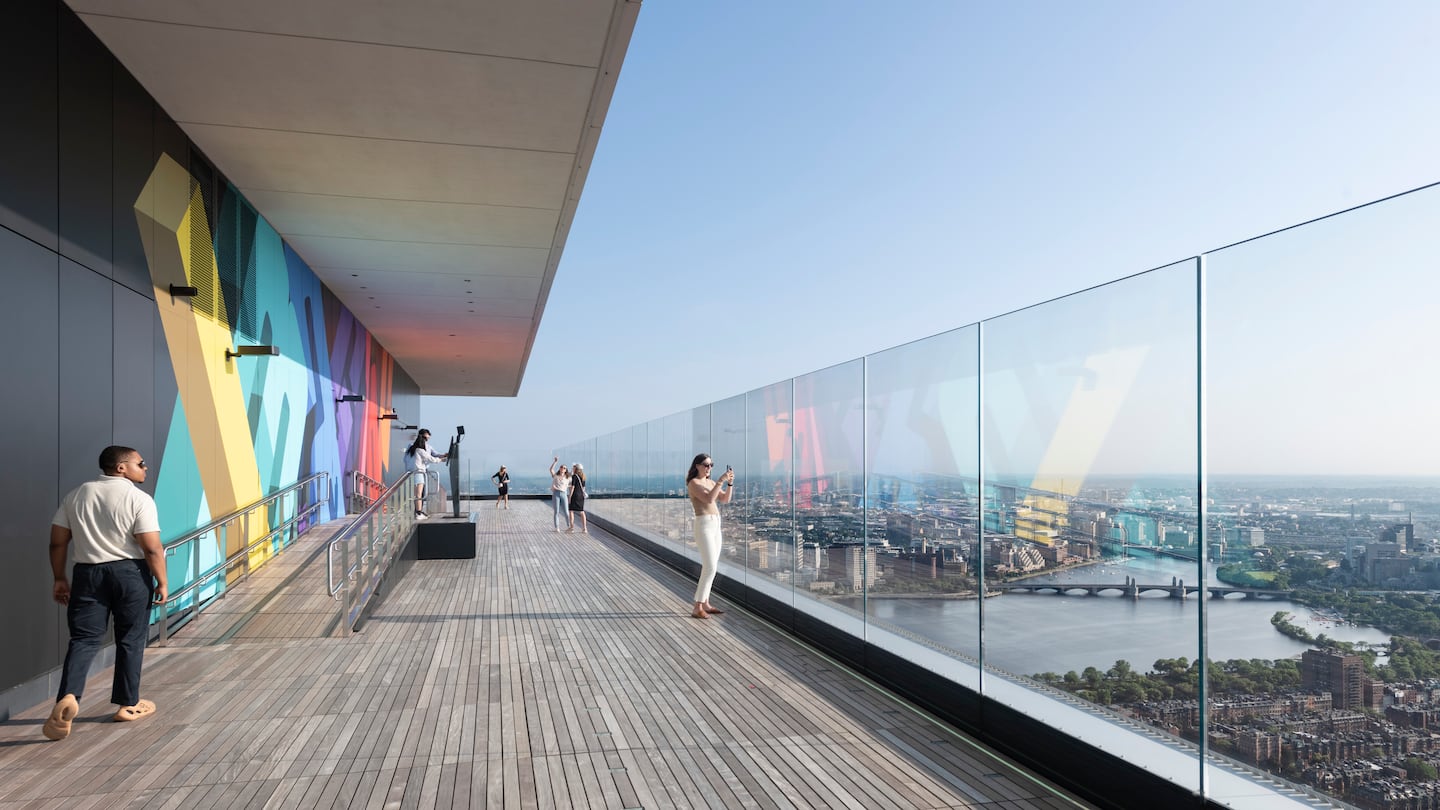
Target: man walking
{"x":119,"y":572}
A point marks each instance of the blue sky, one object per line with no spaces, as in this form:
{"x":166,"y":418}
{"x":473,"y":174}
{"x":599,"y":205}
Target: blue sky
{"x":785,"y":186}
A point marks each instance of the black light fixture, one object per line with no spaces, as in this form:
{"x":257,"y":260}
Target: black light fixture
{"x":251,"y":351}
{"x":390,"y":415}
{"x":405,"y":427}
{"x":183,"y":291}
{"x":351,"y":398}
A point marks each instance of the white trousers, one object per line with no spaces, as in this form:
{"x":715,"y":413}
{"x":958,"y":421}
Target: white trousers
{"x":707,"y":539}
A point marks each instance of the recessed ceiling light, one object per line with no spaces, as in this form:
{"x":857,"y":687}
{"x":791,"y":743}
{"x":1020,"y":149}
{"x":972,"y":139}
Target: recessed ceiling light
{"x":452,"y":334}
{"x":467,"y":281}
{"x":354,"y":275}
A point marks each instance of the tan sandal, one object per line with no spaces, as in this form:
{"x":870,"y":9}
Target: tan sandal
{"x":139,"y":711}
{"x":58,"y":726}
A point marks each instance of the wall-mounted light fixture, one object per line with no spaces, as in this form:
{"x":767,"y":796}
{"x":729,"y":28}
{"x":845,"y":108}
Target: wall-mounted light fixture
{"x":351,"y":398}
{"x":182,"y":291}
{"x":390,"y":415}
{"x":249,"y":351}
{"x":405,"y":427}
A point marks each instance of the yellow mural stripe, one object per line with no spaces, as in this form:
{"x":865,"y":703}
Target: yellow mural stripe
{"x":171,"y":219}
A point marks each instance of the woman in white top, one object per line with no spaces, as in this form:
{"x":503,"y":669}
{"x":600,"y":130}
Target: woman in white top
{"x":560,"y":493}
{"x":704,"y":495}
{"x":417,"y":458}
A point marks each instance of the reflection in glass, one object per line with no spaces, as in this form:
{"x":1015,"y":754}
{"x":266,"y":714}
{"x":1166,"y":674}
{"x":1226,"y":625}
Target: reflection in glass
{"x":834,"y":564}
{"x":1322,"y":459}
{"x":923,"y":460}
{"x":727,"y":448}
{"x":1090,"y":430}
{"x":766,"y":489}
{"x":676,"y":516}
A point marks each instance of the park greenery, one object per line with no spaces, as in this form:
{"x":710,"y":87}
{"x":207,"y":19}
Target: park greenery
{"x":1411,"y":618}
{"x":1176,"y":679}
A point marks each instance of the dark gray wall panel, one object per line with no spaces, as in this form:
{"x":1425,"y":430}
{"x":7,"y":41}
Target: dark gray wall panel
{"x":135,"y":323}
{"x":170,"y":139}
{"x":133,"y":150}
{"x":28,"y":135}
{"x":85,"y":163}
{"x":31,"y":641}
{"x":85,"y":372}
{"x":165,"y":391}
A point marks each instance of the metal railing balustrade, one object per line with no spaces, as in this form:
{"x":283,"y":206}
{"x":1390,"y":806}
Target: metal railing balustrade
{"x":284,"y":513}
{"x":367,"y":548}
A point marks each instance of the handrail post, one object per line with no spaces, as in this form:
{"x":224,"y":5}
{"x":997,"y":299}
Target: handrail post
{"x":344,"y":588}
{"x":164,"y":627}
{"x":195,"y":568}
{"x":245,"y":538}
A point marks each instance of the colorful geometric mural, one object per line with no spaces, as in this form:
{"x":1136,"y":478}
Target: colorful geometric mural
{"x":245,"y":427}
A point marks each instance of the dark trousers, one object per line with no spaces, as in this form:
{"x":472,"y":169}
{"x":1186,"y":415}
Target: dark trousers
{"x":121,"y":589}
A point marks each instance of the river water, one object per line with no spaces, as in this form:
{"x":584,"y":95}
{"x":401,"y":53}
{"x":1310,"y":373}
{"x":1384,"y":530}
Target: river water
{"x":1032,"y":633}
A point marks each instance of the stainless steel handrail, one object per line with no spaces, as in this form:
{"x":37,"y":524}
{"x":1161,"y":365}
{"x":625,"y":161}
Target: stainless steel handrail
{"x":362,"y":490}
{"x":371,"y":541}
{"x":221,"y":526}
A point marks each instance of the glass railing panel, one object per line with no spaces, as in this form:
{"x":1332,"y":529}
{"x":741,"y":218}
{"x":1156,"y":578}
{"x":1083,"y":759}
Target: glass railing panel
{"x":769,"y":529}
{"x":1324,"y":484}
{"x":922,"y":446}
{"x":727,"y":447}
{"x":833,"y":563}
{"x":1089,"y":406}
{"x":618,"y":483}
{"x":677,"y":518}
{"x":635,"y":491}
{"x":654,"y":471}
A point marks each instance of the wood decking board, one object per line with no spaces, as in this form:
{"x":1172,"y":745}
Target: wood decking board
{"x":553,"y":671}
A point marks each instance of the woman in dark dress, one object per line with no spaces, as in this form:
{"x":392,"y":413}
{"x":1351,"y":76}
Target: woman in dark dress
{"x":577,"y":498}
{"x":502,"y":480}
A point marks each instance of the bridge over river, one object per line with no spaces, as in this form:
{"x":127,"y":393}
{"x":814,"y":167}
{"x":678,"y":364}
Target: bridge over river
{"x":1177,"y":589}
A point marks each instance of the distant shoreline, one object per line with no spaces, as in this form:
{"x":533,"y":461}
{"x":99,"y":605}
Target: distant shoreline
{"x":960,"y":595}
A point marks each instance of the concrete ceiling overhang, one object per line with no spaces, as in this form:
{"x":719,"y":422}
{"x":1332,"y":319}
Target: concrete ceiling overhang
{"x":424,"y":157}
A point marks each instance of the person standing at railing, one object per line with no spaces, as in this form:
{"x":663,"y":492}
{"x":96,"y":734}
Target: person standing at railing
{"x":502,"y":481}
{"x":418,"y":458}
{"x":577,"y":497}
{"x":560,"y":493}
{"x":704,"y":494}
{"x":111,"y":529}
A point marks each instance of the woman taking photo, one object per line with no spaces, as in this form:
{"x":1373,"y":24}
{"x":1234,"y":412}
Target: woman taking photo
{"x":704,"y":495}
{"x":560,"y":493}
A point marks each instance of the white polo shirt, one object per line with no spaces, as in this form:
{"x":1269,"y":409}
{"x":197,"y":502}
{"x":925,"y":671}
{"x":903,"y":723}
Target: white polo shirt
{"x":104,"y":516}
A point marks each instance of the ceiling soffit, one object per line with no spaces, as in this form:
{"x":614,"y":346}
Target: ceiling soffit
{"x":424,"y":158}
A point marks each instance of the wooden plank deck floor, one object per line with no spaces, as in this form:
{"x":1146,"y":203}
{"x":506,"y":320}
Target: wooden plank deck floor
{"x":553,"y":671}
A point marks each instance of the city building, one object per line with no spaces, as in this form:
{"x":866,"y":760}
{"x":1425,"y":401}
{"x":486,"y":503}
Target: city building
{"x":851,"y":565}
{"x":1244,"y":537}
{"x":1343,"y":676}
